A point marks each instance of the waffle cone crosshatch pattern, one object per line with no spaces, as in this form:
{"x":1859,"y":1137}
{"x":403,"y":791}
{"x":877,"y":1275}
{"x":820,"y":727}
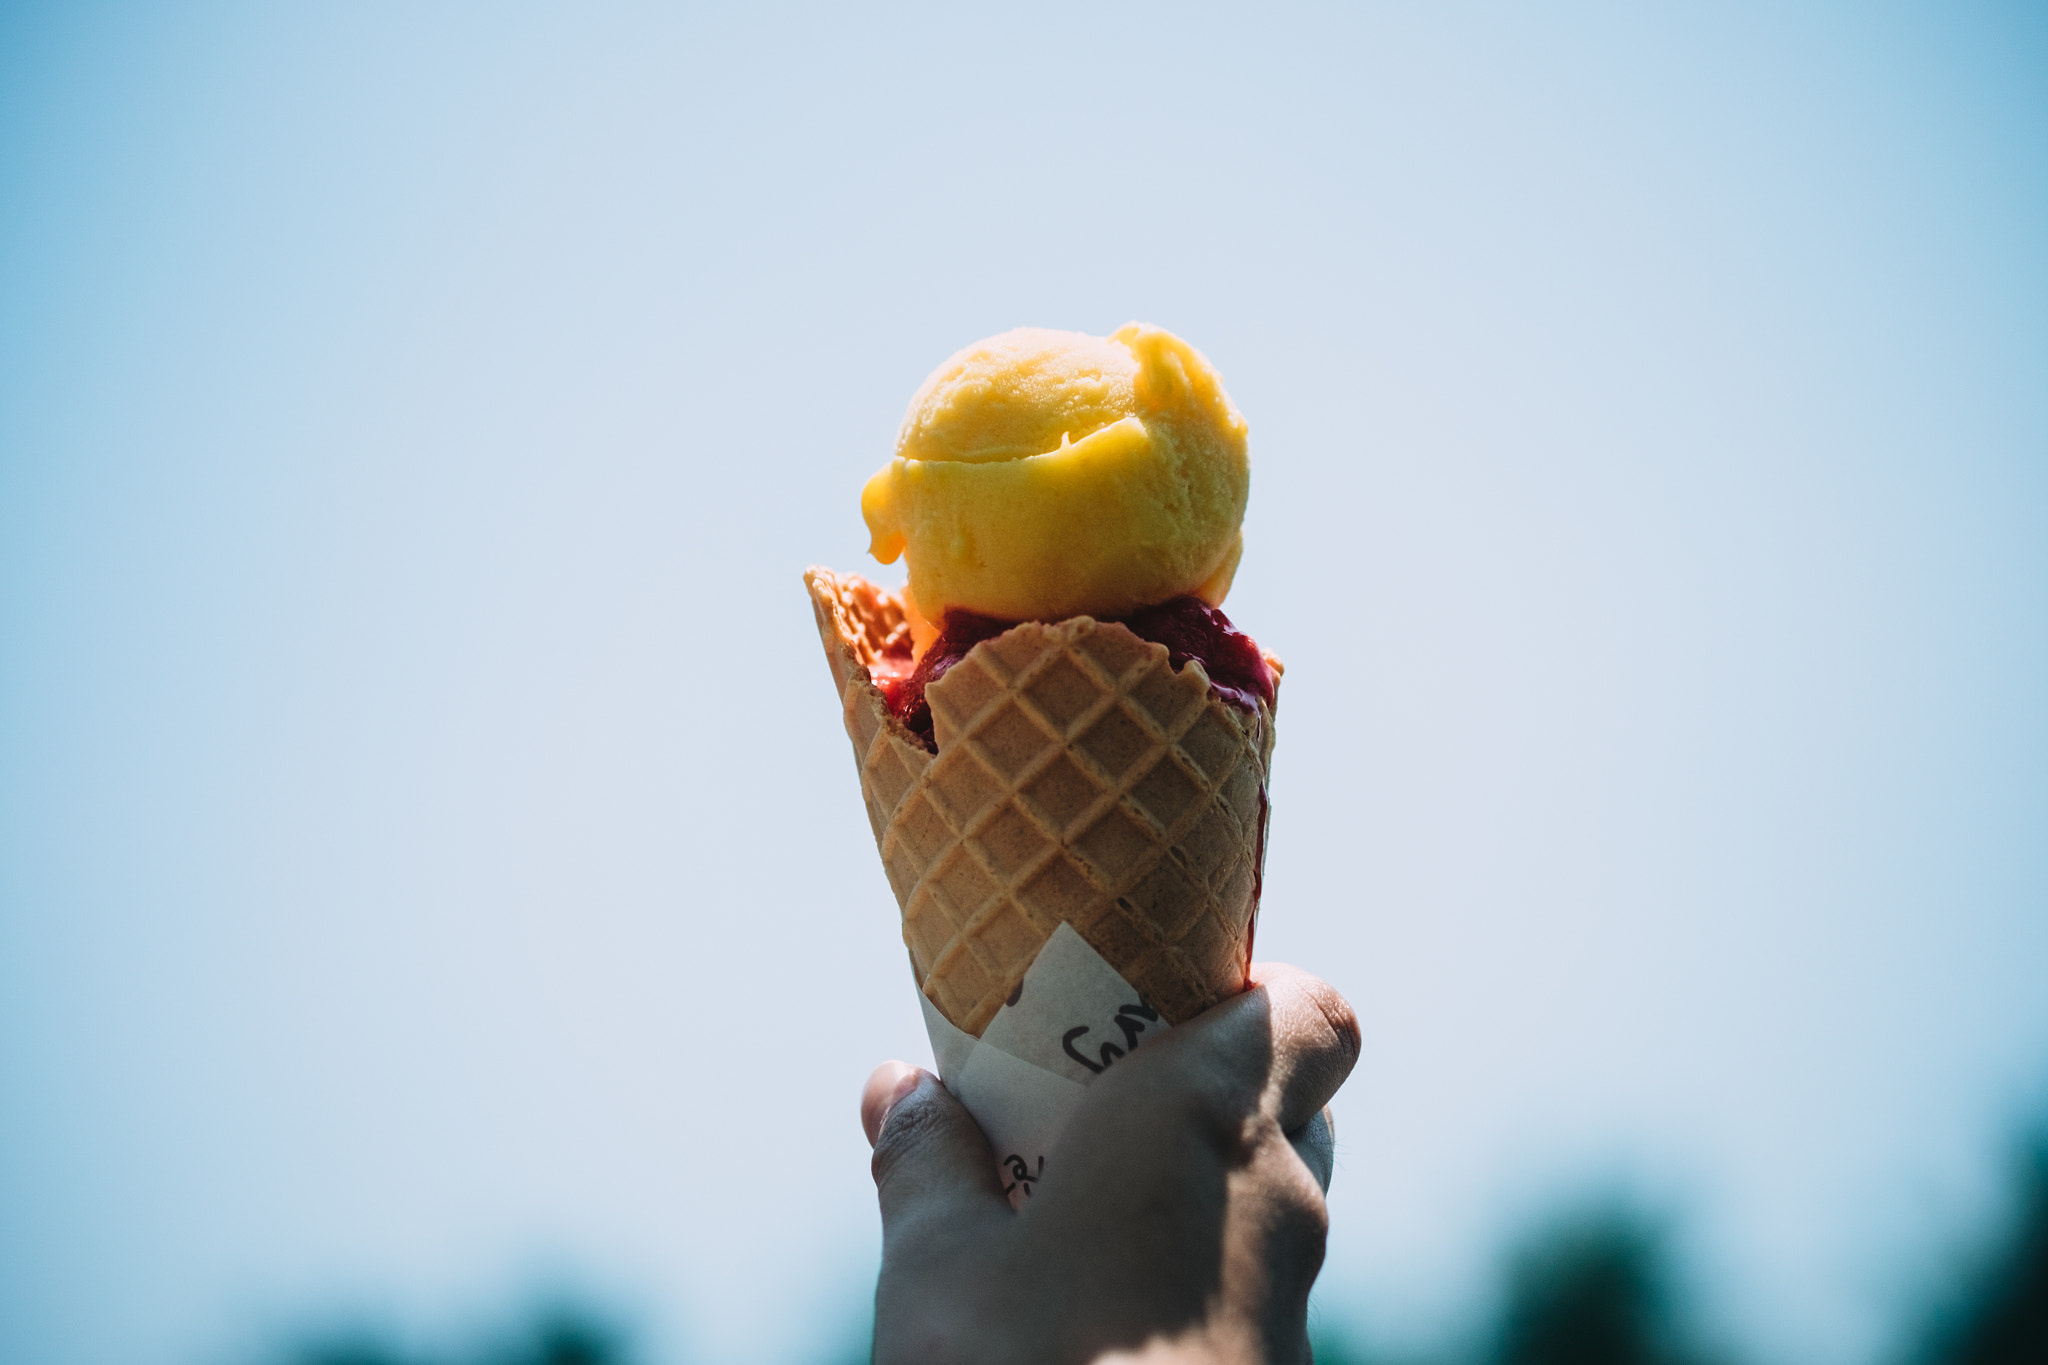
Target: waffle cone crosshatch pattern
{"x":1079,"y":779}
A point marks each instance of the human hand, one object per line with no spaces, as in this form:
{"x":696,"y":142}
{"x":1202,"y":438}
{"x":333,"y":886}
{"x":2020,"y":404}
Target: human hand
{"x":1181,"y":1216}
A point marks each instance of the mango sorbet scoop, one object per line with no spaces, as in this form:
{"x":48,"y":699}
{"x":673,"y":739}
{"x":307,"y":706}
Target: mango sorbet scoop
{"x":1043,"y":474}
{"x":1054,"y":721}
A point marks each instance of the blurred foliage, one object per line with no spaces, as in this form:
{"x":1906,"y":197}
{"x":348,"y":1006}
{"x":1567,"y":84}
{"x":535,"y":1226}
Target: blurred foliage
{"x":1334,"y":1346}
{"x":1593,"y":1288}
{"x":554,"y":1336}
{"x":1596,"y":1288}
{"x":2000,"y":1317}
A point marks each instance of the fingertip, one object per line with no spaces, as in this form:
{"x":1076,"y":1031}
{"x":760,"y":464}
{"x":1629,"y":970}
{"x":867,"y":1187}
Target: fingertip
{"x":886,"y":1087}
{"x":1329,"y":1002}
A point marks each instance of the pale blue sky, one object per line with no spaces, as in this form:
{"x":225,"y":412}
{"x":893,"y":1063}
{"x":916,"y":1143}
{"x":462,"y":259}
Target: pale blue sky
{"x":430,"y":864}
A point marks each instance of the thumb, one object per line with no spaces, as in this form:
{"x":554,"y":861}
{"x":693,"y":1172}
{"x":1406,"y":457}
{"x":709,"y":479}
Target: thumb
{"x":930,"y":1156}
{"x":891,"y":1082}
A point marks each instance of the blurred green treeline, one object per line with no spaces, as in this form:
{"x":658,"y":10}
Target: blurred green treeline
{"x":1594,"y":1288}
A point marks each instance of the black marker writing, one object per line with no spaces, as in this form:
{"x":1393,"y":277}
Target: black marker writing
{"x":1021,"y":1174}
{"x":1110,"y":1051}
{"x":1130,"y":1019}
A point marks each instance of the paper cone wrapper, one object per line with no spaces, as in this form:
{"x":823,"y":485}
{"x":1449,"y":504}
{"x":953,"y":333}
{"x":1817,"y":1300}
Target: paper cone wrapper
{"x":1080,"y":780}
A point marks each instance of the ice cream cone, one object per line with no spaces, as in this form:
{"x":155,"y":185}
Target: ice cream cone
{"x":1078,"y":778}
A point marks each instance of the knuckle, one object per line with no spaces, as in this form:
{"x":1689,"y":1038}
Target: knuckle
{"x":1309,"y":1219}
{"x":1295,"y":1167}
{"x":1321,"y":1161}
{"x":1298,"y":1212}
{"x":1258,"y":1133}
{"x":1308,"y":1208}
{"x":1311,"y":1205}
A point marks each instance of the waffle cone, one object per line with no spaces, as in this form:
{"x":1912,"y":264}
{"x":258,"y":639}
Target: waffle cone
{"x":1079,"y":778}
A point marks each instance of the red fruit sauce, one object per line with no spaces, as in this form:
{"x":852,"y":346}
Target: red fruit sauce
{"x":1189,"y":628}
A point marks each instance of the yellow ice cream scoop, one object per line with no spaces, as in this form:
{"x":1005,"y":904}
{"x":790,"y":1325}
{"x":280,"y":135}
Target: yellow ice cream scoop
{"x":1042,"y":474}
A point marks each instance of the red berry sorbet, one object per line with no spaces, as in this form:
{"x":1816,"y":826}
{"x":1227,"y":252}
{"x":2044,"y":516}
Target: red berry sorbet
{"x":1189,"y":628}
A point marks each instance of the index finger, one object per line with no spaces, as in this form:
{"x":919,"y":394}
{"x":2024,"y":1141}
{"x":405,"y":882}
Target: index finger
{"x":1281,"y":1049}
{"x":1308,"y":1038}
